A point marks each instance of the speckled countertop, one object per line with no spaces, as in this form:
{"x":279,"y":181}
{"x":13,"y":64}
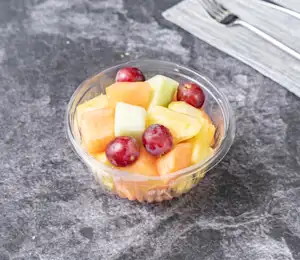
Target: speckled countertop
{"x":247,"y":208}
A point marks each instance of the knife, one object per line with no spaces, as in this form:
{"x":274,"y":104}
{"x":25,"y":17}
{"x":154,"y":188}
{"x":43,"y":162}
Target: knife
{"x":281,"y":8}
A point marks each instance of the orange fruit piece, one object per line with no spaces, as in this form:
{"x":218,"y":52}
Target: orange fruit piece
{"x":101,"y":157}
{"x":97,"y":129}
{"x":176,"y":159}
{"x":97,"y":102}
{"x":145,"y":165}
{"x":134,"y":93}
{"x":138,"y":190}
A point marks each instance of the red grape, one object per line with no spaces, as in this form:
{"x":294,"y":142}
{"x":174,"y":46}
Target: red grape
{"x":129,"y":74}
{"x":157,"y":139}
{"x":192,"y":94}
{"x":122,"y":151}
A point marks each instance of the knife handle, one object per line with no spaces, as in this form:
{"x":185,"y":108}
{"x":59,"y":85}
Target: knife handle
{"x":281,"y":8}
{"x":269,"y":38}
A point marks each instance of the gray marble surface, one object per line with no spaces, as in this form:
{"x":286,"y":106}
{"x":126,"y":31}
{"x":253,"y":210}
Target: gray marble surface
{"x":247,"y":208}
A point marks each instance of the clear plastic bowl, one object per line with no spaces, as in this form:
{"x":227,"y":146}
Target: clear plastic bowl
{"x":144,"y":188}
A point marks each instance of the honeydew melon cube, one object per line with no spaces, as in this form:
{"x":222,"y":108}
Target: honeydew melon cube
{"x":163,"y":90}
{"x":130,"y":120}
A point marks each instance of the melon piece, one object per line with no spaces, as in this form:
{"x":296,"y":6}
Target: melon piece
{"x":97,"y":129}
{"x":145,"y":165}
{"x":137,"y":190}
{"x":177,"y":159}
{"x":125,"y":189}
{"x":134,"y":93}
{"x":130,"y":120}
{"x":182,"y":126}
{"x":101,"y":157}
{"x":97,"y":102}
{"x":207,"y":132}
{"x":163,"y":89}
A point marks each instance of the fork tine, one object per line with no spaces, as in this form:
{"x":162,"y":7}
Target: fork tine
{"x":207,"y":4}
{"x":212,"y":8}
{"x":218,"y":6}
{"x":218,"y":12}
{"x":209,"y":7}
{"x":204,"y":4}
{"x":221,"y":8}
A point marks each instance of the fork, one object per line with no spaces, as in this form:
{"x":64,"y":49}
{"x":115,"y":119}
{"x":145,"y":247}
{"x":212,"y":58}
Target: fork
{"x":281,"y":8}
{"x":223,"y":16}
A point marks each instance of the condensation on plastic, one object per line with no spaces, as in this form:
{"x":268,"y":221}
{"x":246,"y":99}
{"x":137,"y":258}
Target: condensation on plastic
{"x":144,"y":188}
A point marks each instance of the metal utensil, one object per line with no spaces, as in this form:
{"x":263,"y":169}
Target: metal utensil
{"x":222,"y":15}
{"x":281,"y":8}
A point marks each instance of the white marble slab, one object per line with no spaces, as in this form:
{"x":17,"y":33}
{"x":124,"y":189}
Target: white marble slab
{"x":243,"y":44}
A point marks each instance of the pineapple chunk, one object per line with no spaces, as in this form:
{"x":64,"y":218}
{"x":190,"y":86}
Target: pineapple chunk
{"x":207,"y":132}
{"x":182,"y":126}
{"x":202,"y":142}
{"x":205,"y":138}
{"x":185,"y":108}
{"x":200,"y":151}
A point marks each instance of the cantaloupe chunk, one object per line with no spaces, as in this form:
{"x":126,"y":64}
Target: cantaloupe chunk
{"x":176,"y":159}
{"x":97,"y":102}
{"x":97,"y":129}
{"x":134,"y":190}
{"x":134,"y":93}
{"x":101,"y":157}
{"x":125,"y":189}
{"x":137,"y":190}
{"x":145,"y":165}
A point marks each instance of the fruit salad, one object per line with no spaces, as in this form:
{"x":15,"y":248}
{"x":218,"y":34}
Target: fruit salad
{"x":148,"y":127}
